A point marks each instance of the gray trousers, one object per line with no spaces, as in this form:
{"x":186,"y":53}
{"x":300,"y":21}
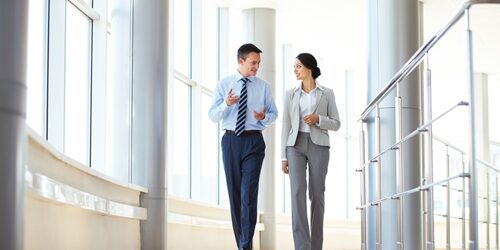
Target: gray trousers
{"x":306,"y":153}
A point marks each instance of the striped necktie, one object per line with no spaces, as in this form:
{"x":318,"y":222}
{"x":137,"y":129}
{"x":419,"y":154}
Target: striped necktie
{"x":242,"y":108}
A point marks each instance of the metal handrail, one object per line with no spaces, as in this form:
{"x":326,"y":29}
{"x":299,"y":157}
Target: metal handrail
{"x":451,"y":145}
{"x":416,"y":132}
{"x":413,"y":190}
{"x":415,"y":60}
{"x":451,"y":217}
{"x":489,"y":165}
{"x":428,"y":183}
{"x":460,"y":218}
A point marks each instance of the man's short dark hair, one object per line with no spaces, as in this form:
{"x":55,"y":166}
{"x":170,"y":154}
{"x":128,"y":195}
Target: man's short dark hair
{"x":246,"y":49}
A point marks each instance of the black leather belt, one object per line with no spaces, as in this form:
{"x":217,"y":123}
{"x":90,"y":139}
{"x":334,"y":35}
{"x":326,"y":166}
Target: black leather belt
{"x":246,"y":132}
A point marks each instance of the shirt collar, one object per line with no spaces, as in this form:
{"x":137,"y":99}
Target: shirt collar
{"x":298,"y":88}
{"x":239,"y":76}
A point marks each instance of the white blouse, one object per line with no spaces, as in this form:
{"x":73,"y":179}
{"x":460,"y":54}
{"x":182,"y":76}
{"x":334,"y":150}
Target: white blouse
{"x":307,"y":102}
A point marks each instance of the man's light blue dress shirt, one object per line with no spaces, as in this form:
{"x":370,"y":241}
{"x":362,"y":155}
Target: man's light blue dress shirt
{"x":259,"y":96}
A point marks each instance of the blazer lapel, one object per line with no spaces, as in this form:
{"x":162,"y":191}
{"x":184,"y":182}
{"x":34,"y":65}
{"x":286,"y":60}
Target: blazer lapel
{"x":295,"y":102}
{"x":295,"y":111}
{"x":319,"y":94}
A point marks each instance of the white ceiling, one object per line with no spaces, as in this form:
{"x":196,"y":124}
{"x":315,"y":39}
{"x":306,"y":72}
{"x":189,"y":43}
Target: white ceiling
{"x":343,"y":23}
{"x":335,"y":32}
{"x":244,"y":4}
{"x":485,"y":27}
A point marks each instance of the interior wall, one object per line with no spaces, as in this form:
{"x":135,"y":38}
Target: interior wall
{"x":53,"y":226}
{"x":53,"y":217}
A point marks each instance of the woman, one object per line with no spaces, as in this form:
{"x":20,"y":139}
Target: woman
{"x":309,"y":112}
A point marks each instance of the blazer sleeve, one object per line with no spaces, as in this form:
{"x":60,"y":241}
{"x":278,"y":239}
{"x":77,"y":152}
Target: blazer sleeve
{"x":331,"y":121}
{"x":286,"y":125}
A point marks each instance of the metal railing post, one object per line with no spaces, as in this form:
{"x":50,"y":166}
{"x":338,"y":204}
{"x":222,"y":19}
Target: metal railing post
{"x":378,"y":169}
{"x":473,"y":211}
{"x":464,"y":245}
{"x":496,"y":212}
{"x":429,"y":171}
{"x":488,"y":204}
{"x":422,"y":149}
{"x":362,"y":187}
{"x":399,"y":164}
{"x":448,"y":211}
{"x":489,"y":199}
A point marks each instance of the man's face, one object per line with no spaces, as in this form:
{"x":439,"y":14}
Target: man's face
{"x":250,"y":65}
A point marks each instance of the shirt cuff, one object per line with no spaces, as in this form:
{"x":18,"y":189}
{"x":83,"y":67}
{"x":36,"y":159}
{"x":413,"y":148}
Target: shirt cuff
{"x":264,"y":121}
{"x":223,"y":106}
{"x":319,"y":121}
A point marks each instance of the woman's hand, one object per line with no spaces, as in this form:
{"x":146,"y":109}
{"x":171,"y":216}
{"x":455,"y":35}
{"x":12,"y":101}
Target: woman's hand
{"x":311,"y":119}
{"x":284,"y":166}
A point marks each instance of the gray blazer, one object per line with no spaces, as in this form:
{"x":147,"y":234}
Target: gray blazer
{"x":325,"y":107}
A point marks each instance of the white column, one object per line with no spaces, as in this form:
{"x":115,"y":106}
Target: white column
{"x":150,"y":79}
{"x":259,"y":28}
{"x":482,"y":117}
{"x":13,"y":48}
{"x":393,"y":38}
{"x":483,"y":148}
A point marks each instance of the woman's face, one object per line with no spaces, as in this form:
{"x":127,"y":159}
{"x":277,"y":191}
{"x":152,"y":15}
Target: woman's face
{"x":301,"y":72}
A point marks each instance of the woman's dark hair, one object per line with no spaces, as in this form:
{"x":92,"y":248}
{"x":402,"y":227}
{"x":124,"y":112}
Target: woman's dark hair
{"x":310,"y":62}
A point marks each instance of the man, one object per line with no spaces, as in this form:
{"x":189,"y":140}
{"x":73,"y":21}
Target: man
{"x":245,"y":105}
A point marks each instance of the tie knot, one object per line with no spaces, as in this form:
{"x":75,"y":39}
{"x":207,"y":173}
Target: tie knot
{"x":244,"y":80}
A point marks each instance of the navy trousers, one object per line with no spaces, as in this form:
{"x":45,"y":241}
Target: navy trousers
{"x":243,"y":157}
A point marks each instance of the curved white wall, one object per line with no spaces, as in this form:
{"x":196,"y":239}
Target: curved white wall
{"x":71,"y":206}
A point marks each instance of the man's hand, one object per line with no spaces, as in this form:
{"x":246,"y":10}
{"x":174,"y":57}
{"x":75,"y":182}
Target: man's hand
{"x":311,"y":119}
{"x":231,"y":98}
{"x":284,"y":166}
{"x":260,"y":115}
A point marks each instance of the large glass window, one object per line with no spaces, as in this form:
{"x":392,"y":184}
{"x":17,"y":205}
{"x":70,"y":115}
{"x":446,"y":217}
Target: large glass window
{"x":77,"y":85}
{"x":194,"y":167}
{"x":182,"y":36}
{"x":209,"y":155}
{"x":79,"y":91}
{"x":181,"y":109}
{"x":204,"y":173}
{"x":209,"y":49}
{"x":235,"y":37}
{"x":59,"y":73}
{"x":36,"y":70}
{"x":118,"y":90}
{"x":179,"y":173}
